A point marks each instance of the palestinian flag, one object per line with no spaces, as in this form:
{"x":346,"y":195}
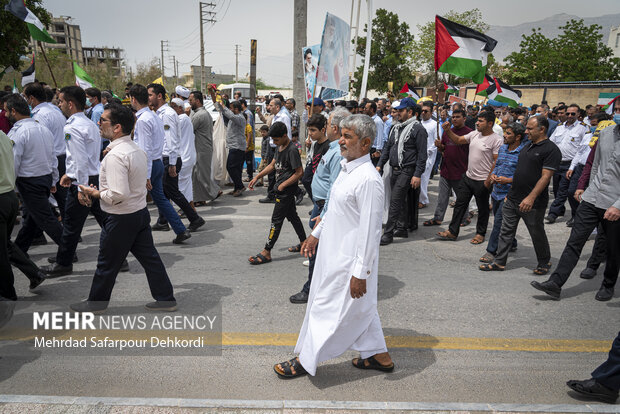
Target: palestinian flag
{"x":15,"y":90}
{"x":502,"y":92}
{"x":28,"y":74}
{"x":461,"y":51}
{"x":606,"y":101}
{"x":481,"y":89}
{"x":408,"y":92}
{"x":81,"y":77}
{"x":450,"y":88}
{"x":35,"y":27}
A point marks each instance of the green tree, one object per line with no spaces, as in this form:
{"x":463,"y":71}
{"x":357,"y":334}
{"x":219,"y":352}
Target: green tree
{"x":147,"y":72}
{"x":14,"y":36}
{"x":577,"y":54}
{"x":387,"y":60}
{"x":423,"y":46}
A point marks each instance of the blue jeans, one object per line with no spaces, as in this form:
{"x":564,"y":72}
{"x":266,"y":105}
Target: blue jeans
{"x":497,"y":226}
{"x":316,"y":211}
{"x":160,"y":200}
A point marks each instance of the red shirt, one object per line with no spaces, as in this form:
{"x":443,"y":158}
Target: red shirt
{"x":454,"y":161}
{"x":5,"y":125}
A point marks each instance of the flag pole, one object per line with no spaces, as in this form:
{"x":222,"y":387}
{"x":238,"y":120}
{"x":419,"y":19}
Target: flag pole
{"x":437,"y":95}
{"x":48,"y":64}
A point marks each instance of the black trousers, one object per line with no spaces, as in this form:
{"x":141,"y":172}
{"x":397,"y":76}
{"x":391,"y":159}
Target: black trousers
{"x":608,"y":373}
{"x":75,"y":217}
{"x":413,"y":198}
{"x":586,"y":219}
{"x":61,"y":192}
{"x":400,"y":182}
{"x":121,"y":234}
{"x":10,"y":254}
{"x":534,"y":220}
{"x":464,"y":192}
{"x":172,"y":192}
{"x":234,"y":166}
{"x":599,"y":250}
{"x":271,"y":178}
{"x":35,"y":192}
{"x":285,"y":208}
{"x":560,"y":192}
{"x":249,"y":163}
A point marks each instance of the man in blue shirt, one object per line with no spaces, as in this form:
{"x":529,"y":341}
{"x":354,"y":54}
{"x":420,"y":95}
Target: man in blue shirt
{"x":505,"y":166}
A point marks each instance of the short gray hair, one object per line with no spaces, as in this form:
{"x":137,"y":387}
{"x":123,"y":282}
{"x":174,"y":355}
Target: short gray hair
{"x":362,"y":125}
{"x":517,"y":129}
{"x":337,"y":115}
{"x":107,"y":95}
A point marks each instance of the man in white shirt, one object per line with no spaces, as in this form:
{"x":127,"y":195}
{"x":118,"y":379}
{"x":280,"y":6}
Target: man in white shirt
{"x":567,"y":136}
{"x":342,"y":306}
{"x":430,"y":125}
{"x":123,"y":196}
{"x":171,"y":158}
{"x":375,"y":152}
{"x":83,"y":151}
{"x":187,"y":150}
{"x":36,"y":172}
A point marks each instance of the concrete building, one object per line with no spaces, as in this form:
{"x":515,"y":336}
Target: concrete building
{"x":102,"y":55}
{"x":614,"y":40}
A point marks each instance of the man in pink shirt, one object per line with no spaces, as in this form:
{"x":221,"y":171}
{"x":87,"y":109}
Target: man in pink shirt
{"x":484,"y":146}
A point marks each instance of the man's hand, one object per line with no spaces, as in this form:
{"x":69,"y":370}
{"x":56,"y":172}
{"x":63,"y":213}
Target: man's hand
{"x":316,"y":220}
{"x":84,"y":200}
{"x":172,"y":171}
{"x":569,"y":174}
{"x":438,"y":143}
{"x":106,"y":150}
{"x":65,"y":181}
{"x":149,"y":186}
{"x":415,"y":183}
{"x":526,"y":204}
{"x":252,"y":183}
{"x":445,"y":125}
{"x":258,"y":110}
{"x":308,"y":247}
{"x":578,"y":194}
{"x":612,"y":214}
{"x":500,"y":180}
{"x":376,"y":154}
{"x":53,"y":189}
{"x":488,"y":183}
{"x":358,"y":287}
{"x":281,"y":187}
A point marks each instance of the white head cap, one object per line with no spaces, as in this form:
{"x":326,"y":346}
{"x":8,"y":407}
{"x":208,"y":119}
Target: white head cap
{"x":177,"y":101}
{"x":182,"y":91}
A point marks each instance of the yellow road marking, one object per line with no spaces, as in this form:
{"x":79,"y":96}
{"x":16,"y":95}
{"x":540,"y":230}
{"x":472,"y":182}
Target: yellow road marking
{"x":290,"y":339}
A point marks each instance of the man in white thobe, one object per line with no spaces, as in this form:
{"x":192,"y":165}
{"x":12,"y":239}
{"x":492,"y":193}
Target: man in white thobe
{"x":430,"y":125}
{"x":342,"y":306}
{"x":187,"y":150}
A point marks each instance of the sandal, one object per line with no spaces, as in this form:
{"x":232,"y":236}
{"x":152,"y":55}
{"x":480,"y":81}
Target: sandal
{"x":432,"y":222}
{"x":288,"y":367}
{"x":487,"y":258}
{"x":477,"y":240}
{"x":446,"y":235}
{"x":295,"y":249}
{"x":489,"y":267}
{"x":372,"y":364}
{"x":254,"y":260}
{"x":542,"y":270}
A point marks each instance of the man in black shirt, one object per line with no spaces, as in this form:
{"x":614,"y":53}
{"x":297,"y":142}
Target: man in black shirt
{"x":528,"y":197}
{"x":316,"y":132}
{"x":287,"y":165}
{"x":406,"y":151}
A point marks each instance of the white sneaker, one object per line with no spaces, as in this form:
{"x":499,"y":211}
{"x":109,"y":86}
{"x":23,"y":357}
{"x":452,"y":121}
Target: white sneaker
{"x":306,"y":263}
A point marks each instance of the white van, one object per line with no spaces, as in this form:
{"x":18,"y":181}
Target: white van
{"x":231,"y":88}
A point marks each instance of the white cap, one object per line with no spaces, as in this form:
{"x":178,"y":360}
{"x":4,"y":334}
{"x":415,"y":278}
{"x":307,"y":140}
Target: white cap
{"x":182,"y":91}
{"x":186,"y":105}
{"x":177,"y":101}
{"x":395,"y":104}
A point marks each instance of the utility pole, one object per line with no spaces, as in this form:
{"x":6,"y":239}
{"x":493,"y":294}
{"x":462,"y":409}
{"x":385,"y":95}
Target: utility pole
{"x":205,"y":16}
{"x":357,"y":25}
{"x":300,"y":19}
{"x":163,"y":43}
{"x":173,"y":59}
{"x":237,"y":63}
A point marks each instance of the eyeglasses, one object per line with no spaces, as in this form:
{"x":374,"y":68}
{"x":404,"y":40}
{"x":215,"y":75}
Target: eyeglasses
{"x":425,"y":111}
{"x":571,"y":113}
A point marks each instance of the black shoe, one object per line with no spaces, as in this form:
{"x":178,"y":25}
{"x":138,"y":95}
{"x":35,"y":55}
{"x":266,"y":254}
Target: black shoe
{"x":39,"y":241}
{"x":89,"y":306}
{"x":386,"y":239}
{"x":56,"y":270}
{"x":570,"y":222}
{"x":588,"y":273}
{"x":267,"y":200}
{"x":401,"y":233}
{"x":181,"y":237}
{"x":52,"y":259}
{"x":299,"y":197}
{"x":35,"y":282}
{"x":549,"y":287}
{"x":604,"y":294}
{"x":170,"y":306}
{"x":591,"y":388}
{"x":160,"y":227}
{"x":124,"y":266}
{"x":196,"y":224}
{"x":551,"y":219}
{"x":513,"y":249}
{"x":413,"y":228}
{"x":301,"y":297}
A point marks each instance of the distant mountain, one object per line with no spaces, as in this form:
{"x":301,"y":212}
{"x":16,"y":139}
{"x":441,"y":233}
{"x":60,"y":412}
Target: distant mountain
{"x":509,"y":37}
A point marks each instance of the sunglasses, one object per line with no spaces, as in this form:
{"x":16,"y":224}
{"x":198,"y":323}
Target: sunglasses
{"x":571,"y":113}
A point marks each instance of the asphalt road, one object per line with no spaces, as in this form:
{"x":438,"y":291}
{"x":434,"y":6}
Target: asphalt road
{"x":430,"y":294}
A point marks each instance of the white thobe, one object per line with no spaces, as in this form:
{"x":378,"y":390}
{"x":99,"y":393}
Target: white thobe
{"x":431,"y":154}
{"x":188,"y":156}
{"x":349,"y":246}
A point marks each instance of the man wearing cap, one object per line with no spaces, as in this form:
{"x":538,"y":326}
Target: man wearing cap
{"x":183,"y":93}
{"x":405,"y":150}
{"x":188,"y":150}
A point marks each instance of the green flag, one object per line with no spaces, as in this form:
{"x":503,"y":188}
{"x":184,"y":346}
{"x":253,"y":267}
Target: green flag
{"x":81,"y":77}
